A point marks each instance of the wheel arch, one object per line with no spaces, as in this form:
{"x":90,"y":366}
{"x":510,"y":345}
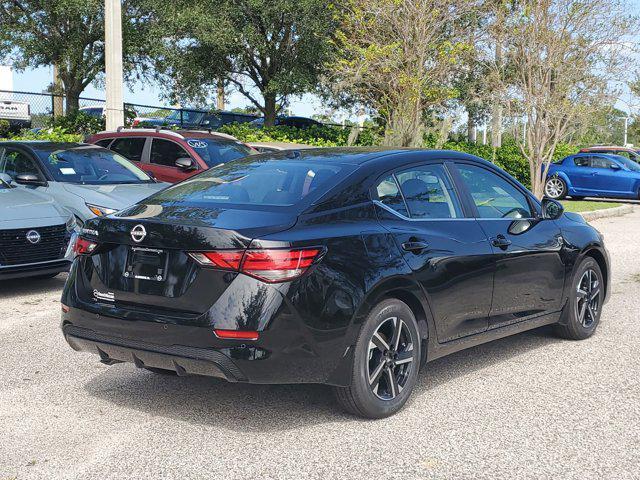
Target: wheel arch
{"x":601,"y":260}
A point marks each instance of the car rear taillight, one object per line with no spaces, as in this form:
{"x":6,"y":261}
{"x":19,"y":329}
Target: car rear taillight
{"x":269,"y":265}
{"x":84,"y":246}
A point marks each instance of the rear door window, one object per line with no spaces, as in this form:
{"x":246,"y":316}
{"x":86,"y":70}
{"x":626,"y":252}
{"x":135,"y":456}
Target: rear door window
{"x":389,"y":194}
{"x":581,"y":161}
{"x":166,"y":152}
{"x":129,"y":147}
{"x":428,"y":192}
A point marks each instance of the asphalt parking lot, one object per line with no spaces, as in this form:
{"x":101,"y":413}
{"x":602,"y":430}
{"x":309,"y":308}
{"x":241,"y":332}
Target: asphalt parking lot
{"x":529,"y":406}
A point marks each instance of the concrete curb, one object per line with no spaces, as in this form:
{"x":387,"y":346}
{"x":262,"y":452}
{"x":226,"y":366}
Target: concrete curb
{"x":607,"y":212}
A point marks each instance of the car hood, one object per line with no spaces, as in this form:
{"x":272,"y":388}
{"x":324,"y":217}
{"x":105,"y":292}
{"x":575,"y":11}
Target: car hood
{"x":20,"y":204}
{"x":114,"y":196}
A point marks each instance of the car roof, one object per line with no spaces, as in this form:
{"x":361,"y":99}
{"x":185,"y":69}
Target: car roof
{"x":163,"y":132}
{"x":364,"y":155}
{"x":607,"y":147}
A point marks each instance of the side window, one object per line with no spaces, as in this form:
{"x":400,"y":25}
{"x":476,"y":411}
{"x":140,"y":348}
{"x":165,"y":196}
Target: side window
{"x":165,"y":152}
{"x":428,"y":192}
{"x":389,"y":194}
{"x":129,"y":147}
{"x":494,"y":196}
{"x":601,"y":162}
{"x":104,"y":142}
{"x":15,"y":162}
{"x":581,"y":161}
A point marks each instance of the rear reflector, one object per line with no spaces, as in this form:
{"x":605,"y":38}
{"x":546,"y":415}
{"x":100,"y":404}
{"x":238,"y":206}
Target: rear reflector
{"x":84,"y":246}
{"x":65,"y":309}
{"x":236,"y":334}
{"x":272,"y":266}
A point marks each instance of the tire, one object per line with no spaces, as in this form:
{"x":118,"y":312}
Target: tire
{"x":555,"y":187}
{"x":376,"y":358}
{"x":582,"y":316}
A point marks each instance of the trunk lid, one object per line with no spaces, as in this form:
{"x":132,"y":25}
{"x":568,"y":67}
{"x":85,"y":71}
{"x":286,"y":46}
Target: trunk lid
{"x":114,"y":274}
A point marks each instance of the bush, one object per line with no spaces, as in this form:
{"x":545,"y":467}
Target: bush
{"x":5,"y":128}
{"x":56,"y":134}
{"x":77,"y":122}
{"x":324,"y":136}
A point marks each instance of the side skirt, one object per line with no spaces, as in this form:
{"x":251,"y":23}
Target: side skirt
{"x":437,"y":350}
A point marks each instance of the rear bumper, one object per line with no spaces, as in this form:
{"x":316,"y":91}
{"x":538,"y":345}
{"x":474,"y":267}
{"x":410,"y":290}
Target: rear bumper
{"x":181,"y":359}
{"x":34,"y":269}
{"x":282,"y":354}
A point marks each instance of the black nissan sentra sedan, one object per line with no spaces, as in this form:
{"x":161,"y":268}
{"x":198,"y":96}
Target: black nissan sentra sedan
{"x":346,"y":267}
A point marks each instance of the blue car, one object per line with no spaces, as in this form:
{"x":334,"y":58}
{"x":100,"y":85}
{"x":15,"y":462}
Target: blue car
{"x":593,"y":175}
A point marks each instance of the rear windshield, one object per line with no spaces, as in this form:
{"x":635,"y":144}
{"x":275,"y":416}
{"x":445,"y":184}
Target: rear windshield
{"x":254,"y":181}
{"x":215,"y":152}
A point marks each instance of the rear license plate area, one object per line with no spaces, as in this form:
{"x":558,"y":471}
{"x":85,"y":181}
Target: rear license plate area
{"x":146,"y":264}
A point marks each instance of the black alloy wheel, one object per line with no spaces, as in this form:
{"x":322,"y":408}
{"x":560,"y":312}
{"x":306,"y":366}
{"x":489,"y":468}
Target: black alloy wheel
{"x":582,"y":313}
{"x":386,"y":362}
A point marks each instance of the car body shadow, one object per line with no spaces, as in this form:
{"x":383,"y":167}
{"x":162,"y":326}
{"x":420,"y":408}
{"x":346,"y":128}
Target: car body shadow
{"x":31,"y":286}
{"x":260,"y":408}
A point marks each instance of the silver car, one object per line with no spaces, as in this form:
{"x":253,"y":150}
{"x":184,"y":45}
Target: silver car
{"x":87,"y":180}
{"x":36,"y":235}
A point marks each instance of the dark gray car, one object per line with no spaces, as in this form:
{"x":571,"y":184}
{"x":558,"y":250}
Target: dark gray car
{"x":35,"y":233}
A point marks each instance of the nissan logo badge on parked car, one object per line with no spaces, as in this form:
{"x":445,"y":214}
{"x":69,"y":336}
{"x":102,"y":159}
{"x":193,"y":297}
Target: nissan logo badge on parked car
{"x":33,"y":236}
{"x":138,"y":233}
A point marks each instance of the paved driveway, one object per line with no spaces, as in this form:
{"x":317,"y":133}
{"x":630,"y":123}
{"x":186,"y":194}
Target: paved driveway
{"x":530,"y":406}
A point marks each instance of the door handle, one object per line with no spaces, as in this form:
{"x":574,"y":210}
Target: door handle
{"x":501,"y":242}
{"x":415,"y":247}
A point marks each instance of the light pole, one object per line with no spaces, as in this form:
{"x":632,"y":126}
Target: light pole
{"x":626,"y":130}
{"x":114,"y":110}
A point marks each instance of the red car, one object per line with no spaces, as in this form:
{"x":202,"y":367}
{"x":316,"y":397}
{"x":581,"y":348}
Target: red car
{"x":171,"y":156}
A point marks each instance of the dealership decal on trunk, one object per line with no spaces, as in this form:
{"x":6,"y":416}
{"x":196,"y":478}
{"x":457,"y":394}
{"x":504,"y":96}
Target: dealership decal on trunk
{"x":108,"y":296}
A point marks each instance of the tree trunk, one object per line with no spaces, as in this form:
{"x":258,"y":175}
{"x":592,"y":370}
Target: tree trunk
{"x":471,"y":130}
{"x":496,"y":126}
{"x":496,"y":114}
{"x":220,"y":95}
{"x":269,"y":110}
{"x":72,"y":98}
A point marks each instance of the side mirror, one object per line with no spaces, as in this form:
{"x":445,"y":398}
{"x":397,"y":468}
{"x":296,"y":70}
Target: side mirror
{"x":30,"y":179}
{"x":185,"y":164}
{"x":6,"y":178}
{"x":551,"y":209}
{"x":615,"y":166}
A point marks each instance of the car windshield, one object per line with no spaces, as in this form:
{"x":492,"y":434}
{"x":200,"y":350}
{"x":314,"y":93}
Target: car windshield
{"x":255,"y":181}
{"x":91,"y":166}
{"x":185,"y":116}
{"x":630,"y":164}
{"x":214,"y":152}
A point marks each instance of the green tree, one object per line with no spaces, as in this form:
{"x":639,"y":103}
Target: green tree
{"x":268,"y":50}
{"x":399,"y":58}
{"x":70,"y":35}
